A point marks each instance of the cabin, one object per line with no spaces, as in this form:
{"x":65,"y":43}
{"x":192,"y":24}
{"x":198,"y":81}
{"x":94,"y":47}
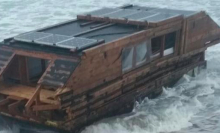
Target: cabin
{"x":95,"y":66}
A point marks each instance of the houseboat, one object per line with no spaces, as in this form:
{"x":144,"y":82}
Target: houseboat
{"x":75,"y":73}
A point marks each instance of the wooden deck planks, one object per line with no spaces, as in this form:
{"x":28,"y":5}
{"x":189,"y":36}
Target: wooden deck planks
{"x":26,"y":92}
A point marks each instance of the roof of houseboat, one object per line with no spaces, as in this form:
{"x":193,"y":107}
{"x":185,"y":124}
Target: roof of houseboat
{"x":94,"y":28}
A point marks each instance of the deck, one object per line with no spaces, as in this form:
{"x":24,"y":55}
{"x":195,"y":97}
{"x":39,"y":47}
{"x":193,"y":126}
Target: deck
{"x":27,"y":92}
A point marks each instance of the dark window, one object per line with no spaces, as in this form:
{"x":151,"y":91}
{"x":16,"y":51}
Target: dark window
{"x":127,"y":58}
{"x":170,"y":40}
{"x":156,"y":44}
{"x":141,"y":53}
{"x":32,"y":70}
{"x":36,"y":67}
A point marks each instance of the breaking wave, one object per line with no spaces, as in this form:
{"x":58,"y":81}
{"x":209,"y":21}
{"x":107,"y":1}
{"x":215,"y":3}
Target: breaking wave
{"x":172,"y":111}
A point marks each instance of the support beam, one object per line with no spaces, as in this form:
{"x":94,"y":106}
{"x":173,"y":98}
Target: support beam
{"x":7,"y":64}
{"x":162,"y":46}
{"x":51,"y":63}
{"x":34,"y":97}
{"x":23,"y":70}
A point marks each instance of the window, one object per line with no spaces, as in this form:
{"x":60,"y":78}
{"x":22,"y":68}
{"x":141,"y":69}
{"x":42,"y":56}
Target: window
{"x":156,"y":44}
{"x":36,"y":67}
{"x":138,"y":55}
{"x":141,"y":53}
{"x":163,"y":45}
{"x":135,"y":56}
{"x":170,"y":40}
{"x":127,"y":58}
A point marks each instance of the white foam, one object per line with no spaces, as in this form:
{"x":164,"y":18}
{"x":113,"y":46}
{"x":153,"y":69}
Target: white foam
{"x":14,"y":129}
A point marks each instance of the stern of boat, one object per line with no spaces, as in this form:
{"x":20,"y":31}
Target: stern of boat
{"x":28,"y":103}
{"x":29,"y":84}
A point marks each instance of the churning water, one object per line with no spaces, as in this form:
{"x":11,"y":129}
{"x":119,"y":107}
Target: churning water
{"x":192,"y":105}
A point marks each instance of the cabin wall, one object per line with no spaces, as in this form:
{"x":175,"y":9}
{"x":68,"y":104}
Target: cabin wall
{"x":91,"y":83}
{"x":95,"y":70}
{"x":99,"y":76}
{"x":149,"y":83}
{"x":201,"y":30}
{"x":103,"y":63}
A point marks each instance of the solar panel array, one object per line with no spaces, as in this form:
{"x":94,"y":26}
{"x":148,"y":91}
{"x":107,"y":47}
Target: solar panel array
{"x":51,"y":40}
{"x":29,"y":37}
{"x":121,"y":13}
{"x":141,"y":15}
{"x":172,"y":11}
{"x":55,"y":40}
{"x":103,"y":11}
{"x":153,"y":15}
{"x":160,"y":17}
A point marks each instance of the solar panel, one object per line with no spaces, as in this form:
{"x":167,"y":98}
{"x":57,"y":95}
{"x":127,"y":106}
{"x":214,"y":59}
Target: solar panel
{"x":102,"y":11}
{"x":173,"y":11}
{"x":77,"y":43}
{"x":31,"y":36}
{"x":51,"y":40}
{"x":143,"y":8}
{"x":141,"y":15}
{"x":56,"y":40}
{"x":121,"y":13}
{"x":160,"y":17}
